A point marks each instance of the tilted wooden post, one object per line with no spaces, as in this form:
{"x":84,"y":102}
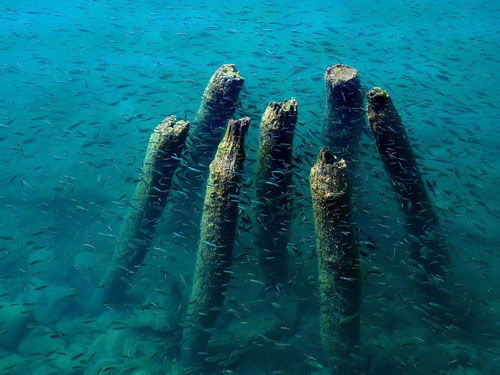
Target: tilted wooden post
{"x":218,"y":226}
{"x":162,"y":158}
{"x":217,"y":106}
{"x":427,"y":246}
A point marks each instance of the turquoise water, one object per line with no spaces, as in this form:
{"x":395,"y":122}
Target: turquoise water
{"x":83,"y":85}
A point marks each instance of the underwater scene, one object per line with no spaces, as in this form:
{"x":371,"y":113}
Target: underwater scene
{"x":249,"y":187}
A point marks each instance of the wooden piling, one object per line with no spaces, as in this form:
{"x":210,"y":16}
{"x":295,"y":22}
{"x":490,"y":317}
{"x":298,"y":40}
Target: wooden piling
{"x":427,"y":246}
{"x":162,"y":158}
{"x":345,"y":114}
{"x":274,"y":185}
{"x":338,"y":262}
{"x":217,"y":106}
{"x":218,"y":226}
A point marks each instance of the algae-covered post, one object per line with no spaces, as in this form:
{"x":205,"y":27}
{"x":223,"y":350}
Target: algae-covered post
{"x":218,"y":226}
{"x":427,"y":245}
{"x":338,"y":259}
{"x":217,"y":107}
{"x":345,"y":114}
{"x":162,"y":158}
{"x":274,"y":181}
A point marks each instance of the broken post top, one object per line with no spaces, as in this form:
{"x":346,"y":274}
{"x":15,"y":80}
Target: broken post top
{"x":277,"y":128}
{"x":378,"y":99}
{"x":225,"y":82}
{"x":168,"y":138}
{"x":340,"y":73}
{"x":170,"y":124}
{"x":345,"y":114}
{"x":170,"y":127}
{"x":329,"y":177}
{"x":380,"y":109}
{"x":218,"y":104}
{"x":237,"y":129}
{"x":227,"y":72}
{"x":280,"y":116}
{"x":232,"y":145}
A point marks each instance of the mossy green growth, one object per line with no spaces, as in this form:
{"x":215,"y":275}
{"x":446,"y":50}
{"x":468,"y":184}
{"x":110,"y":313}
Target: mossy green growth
{"x":338,"y":261}
{"x":150,"y":197}
{"x":218,"y":227}
{"x":274,"y":187}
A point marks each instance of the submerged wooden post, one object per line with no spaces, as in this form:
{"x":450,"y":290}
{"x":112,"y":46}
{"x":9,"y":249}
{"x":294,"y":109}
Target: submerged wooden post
{"x":427,"y":245}
{"x":274,"y":181}
{"x":345,"y":114}
{"x":162,"y":158}
{"x":338,"y":258}
{"x":218,"y":226}
{"x":218,"y":105}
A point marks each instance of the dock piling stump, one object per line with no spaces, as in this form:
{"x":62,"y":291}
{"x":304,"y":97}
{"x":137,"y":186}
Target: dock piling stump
{"x":338,"y":262}
{"x":150,"y":197}
{"x":345,"y":114}
{"x":214,"y":258}
{"x":428,"y":249}
{"x":274,"y":184}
